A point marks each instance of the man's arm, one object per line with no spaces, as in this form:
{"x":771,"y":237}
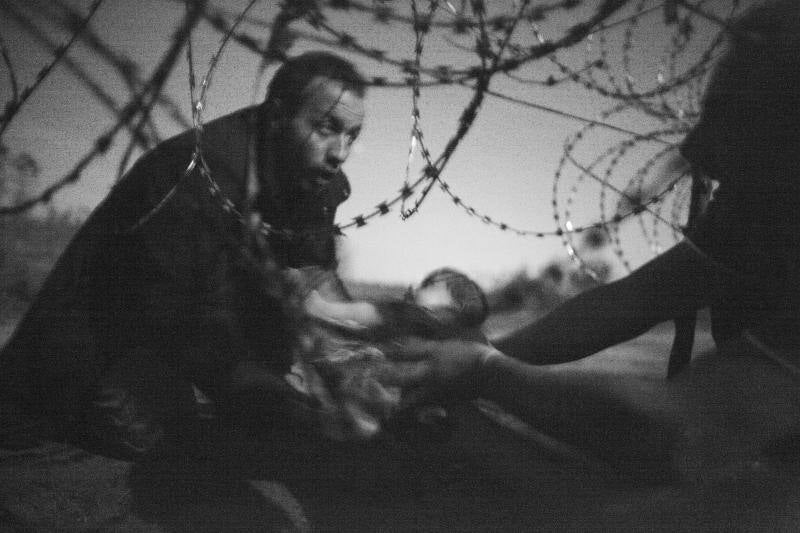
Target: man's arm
{"x":352,"y":314}
{"x":578,"y":406}
{"x":258,"y":396}
{"x":672,"y":284}
{"x":379,"y":318}
{"x":585,"y":408}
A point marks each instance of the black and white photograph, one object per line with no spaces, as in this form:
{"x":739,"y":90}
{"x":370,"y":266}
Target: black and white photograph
{"x":399,"y":265}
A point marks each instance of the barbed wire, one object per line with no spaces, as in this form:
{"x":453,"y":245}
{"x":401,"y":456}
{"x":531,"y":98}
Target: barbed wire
{"x":613,"y":154}
{"x":128,"y":71}
{"x":673,"y":100}
{"x":12,"y":73}
{"x":12,"y":107}
{"x":416,"y":140}
{"x":681,"y":118}
{"x":433,"y":171}
{"x":141,"y":103}
{"x":78,"y":71}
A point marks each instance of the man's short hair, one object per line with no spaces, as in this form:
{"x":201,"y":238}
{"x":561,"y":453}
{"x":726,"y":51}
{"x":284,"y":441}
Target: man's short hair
{"x":287,"y":88}
{"x":466,"y":294}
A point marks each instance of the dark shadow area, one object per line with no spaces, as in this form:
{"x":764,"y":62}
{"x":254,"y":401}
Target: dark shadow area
{"x":479,"y":478}
{"x":194,"y":497}
{"x":476,"y":476}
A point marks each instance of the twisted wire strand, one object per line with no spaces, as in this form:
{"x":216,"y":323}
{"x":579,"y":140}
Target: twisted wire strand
{"x":142,"y":100}
{"x":680,"y":116}
{"x":416,"y":137}
{"x":12,"y":73}
{"x":505,"y":58}
{"x":84,"y":77}
{"x":12,"y":107}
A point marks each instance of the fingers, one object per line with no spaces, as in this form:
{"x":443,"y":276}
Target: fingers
{"x":405,"y":373}
{"x":415,"y":349}
{"x":418,"y":349}
{"x":314,"y":305}
{"x":297,"y":283}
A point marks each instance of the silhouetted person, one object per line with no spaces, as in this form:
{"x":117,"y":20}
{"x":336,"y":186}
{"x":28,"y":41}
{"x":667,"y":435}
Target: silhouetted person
{"x":171,"y":284}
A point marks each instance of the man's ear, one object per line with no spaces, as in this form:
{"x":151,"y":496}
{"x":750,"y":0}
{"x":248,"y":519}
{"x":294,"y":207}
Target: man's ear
{"x":274,"y":115}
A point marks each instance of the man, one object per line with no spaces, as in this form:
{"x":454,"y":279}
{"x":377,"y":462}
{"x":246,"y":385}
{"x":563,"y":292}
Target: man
{"x":174,"y":280}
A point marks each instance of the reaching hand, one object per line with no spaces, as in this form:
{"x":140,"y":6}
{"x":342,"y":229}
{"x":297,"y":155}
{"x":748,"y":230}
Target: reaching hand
{"x":426,"y":369}
{"x":314,"y":305}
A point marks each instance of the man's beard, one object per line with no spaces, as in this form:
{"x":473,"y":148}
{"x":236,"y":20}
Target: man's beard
{"x":311,"y":182}
{"x":317,"y":181}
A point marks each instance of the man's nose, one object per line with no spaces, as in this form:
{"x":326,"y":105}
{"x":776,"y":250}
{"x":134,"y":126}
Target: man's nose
{"x":339,"y":149}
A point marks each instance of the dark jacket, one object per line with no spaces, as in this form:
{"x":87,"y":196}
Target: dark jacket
{"x":188,"y":284}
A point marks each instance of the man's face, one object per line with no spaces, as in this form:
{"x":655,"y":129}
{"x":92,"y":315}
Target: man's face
{"x":320,"y":135}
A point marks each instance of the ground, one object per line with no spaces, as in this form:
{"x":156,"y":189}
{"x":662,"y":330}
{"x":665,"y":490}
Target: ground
{"x":734,"y":467}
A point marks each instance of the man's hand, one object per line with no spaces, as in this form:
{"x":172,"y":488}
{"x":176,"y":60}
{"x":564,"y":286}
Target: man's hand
{"x":428,"y":369}
{"x":315,"y":305}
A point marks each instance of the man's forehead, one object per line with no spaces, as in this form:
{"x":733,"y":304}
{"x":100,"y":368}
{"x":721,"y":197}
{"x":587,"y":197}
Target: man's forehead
{"x":324,"y":96}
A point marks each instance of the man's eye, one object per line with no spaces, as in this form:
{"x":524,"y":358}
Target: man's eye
{"x":325,"y":128}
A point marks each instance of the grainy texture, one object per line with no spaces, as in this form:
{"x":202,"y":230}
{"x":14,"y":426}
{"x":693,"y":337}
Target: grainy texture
{"x":736,"y":468}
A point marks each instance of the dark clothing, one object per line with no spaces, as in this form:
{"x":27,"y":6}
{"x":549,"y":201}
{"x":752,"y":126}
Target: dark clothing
{"x":747,"y":140}
{"x":188,"y":287}
{"x":754,"y":241}
{"x":751,"y":227}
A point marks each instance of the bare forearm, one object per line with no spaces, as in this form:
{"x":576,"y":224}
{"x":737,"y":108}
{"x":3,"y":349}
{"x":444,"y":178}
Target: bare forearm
{"x":584,"y":325}
{"x":363,"y":314}
{"x":675,"y":283}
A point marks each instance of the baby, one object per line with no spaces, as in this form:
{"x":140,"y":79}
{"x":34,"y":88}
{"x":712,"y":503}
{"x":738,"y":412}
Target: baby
{"x":347,"y":339}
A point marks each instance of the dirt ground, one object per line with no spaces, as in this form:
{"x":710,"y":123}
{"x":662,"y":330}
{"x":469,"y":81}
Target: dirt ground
{"x":735,"y":467}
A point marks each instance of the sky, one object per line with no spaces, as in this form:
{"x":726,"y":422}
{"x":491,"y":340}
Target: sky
{"x":504,"y":167}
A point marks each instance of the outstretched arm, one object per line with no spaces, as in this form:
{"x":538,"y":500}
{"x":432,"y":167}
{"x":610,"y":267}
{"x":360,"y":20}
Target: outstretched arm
{"x":379,"y":318}
{"x":582,"y":407}
{"x":674,"y":283}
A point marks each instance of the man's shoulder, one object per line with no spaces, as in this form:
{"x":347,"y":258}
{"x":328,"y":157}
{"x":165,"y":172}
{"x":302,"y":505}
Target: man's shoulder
{"x":219,"y":136}
{"x":235,"y":124}
{"x":226,"y":143}
{"x":156,"y":173}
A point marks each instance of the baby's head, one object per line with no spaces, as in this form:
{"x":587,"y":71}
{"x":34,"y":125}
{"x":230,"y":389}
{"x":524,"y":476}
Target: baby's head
{"x":449,"y":289}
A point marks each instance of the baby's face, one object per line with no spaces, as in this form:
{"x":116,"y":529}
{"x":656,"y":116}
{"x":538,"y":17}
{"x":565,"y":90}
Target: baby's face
{"x":436,"y":295}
